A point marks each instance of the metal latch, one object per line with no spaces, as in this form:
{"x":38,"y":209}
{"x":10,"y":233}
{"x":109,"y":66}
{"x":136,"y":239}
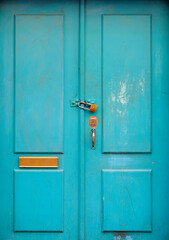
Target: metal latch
{"x":88,"y":105}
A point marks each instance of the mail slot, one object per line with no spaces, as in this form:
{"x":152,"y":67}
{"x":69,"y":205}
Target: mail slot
{"x":38,"y":162}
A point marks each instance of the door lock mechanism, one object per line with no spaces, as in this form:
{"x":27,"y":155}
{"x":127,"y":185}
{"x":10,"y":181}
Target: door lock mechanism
{"x":86,"y":105}
{"x":93,"y":124}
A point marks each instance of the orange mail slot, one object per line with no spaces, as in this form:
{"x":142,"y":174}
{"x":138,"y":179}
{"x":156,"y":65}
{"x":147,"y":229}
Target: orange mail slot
{"x":38,"y":162}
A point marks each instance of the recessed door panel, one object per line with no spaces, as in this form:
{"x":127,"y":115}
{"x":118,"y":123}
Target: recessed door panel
{"x":38,"y":200}
{"x":39,"y":83}
{"x":126,"y":200}
{"x":126,"y":66}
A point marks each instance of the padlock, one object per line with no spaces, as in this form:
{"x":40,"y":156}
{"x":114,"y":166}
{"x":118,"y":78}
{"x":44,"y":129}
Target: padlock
{"x":93,"y":108}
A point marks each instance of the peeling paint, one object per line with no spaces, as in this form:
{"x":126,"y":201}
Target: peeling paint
{"x":122,"y":236}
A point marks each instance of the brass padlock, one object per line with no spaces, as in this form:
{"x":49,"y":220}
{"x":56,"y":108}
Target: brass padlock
{"x":92,"y":107}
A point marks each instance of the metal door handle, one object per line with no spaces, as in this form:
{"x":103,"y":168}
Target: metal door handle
{"x":93,"y":132}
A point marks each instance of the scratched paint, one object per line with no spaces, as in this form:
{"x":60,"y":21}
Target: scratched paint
{"x":126,"y":92}
{"x":122,"y":236}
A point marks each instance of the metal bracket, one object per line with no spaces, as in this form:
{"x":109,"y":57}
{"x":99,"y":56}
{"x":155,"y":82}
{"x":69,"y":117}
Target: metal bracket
{"x":75,"y":102}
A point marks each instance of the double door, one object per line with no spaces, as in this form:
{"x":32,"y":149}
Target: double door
{"x":54,"y":185}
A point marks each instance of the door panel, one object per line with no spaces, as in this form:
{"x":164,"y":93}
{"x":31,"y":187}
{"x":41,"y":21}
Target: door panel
{"x":126,"y":193}
{"x":38,"y":200}
{"x":121,"y":205}
{"x":126,"y":61}
{"x":39,"y":62}
{"x":39,"y":83}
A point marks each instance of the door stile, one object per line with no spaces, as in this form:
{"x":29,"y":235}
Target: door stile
{"x":81,"y":125}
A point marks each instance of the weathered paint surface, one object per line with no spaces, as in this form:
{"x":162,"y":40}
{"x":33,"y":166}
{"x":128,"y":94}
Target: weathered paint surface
{"x":126,"y":74}
{"x":116,"y":53}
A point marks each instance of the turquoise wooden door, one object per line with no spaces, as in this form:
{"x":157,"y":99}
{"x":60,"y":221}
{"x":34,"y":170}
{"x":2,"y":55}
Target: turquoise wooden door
{"x":39,"y":75}
{"x":54,"y":53}
{"x":126,"y":176}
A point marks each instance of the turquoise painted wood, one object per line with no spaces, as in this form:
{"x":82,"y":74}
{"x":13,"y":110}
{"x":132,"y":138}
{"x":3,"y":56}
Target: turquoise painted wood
{"x":38,"y":108}
{"x":38,"y":193}
{"x":39,"y":62}
{"x":127,"y":88}
{"x":128,"y":195}
{"x":115,"y":52}
{"x":126,"y":176}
